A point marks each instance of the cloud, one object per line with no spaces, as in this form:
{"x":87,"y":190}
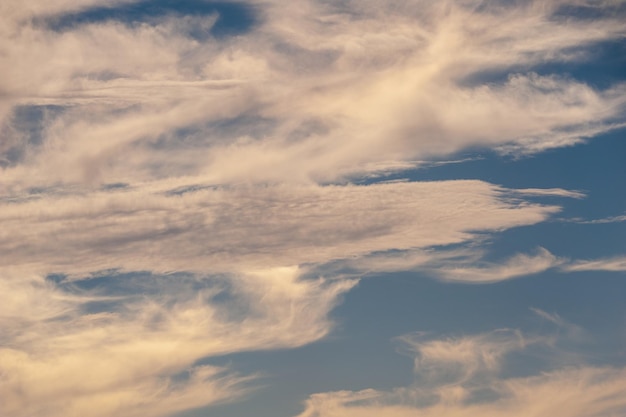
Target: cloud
{"x":457,"y":361}
{"x":611,"y":219}
{"x":226,"y":229}
{"x":192,"y":169}
{"x":467,"y":265}
{"x":68,"y":350}
{"x":453,"y":264}
{"x":516,"y":266}
{"x":383,"y":86}
{"x":615,"y":264}
{"x":462,"y":377}
{"x":551,"y":192}
{"x":572,"y":331}
{"x":114,"y":336}
{"x":568,"y":393}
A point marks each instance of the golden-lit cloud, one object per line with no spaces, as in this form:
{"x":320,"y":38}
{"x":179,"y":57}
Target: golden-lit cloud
{"x":195,"y":171}
{"x":227,"y":229}
{"x":322,"y":91}
{"x":463,"y":377}
{"x":80,"y":352}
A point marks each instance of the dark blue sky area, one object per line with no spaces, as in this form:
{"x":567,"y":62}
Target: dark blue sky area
{"x":597,"y":168}
{"x":234,"y":18}
{"x":599,"y":65}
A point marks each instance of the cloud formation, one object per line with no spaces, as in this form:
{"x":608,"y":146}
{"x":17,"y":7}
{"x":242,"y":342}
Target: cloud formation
{"x":463,"y":377}
{"x":191,"y":167}
{"x":227,"y":229}
{"x":324,"y":91}
{"x":615,"y":264}
{"x":516,"y":266}
{"x":86,"y":350}
{"x":235,"y":242}
{"x":611,"y":219}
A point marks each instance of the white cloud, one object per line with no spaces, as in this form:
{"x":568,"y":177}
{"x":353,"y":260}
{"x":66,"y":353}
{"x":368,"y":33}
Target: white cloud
{"x":461,"y":377}
{"x":614,"y":264}
{"x":245,"y":129}
{"x":572,"y":331}
{"x":551,"y":192}
{"x":463,"y":265}
{"x":468,"y":265}
{"x":228,"y":229}
{"x":135,"y":353}
{"x":516,"y":266}
{"x":346,"y":89}
{"x":569,"y":393}
{"x":245,"y":234}
{"x":611,"y":219}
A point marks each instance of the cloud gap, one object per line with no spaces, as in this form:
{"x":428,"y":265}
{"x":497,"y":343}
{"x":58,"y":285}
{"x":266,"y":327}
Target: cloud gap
{"x":234,"y":18}
{"x":24,"y":130}
{"x":600,"y":65}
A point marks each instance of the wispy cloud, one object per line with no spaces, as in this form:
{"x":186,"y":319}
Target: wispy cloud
{"x":203,"y":161}
{"x":241,"y":238}
{"x":551,"y":192}
{"x":611,"y":219}
{"x":516,"y":266}
{"x":615,"y":264}
{"x":237,"y":228}
{"x":567,"y":330}
{"x":462,"y":377}
{"x":569,"y":393}
{"x":383,"y":85}
{"x":74,"y":352}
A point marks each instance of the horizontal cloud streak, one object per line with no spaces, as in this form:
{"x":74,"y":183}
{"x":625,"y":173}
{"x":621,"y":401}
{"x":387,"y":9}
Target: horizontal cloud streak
{"x":230,"y":228}
{"x":516,"y":266}
{"x":615,"y":264}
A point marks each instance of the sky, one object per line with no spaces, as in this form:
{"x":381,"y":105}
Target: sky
{"x":312,"y":208}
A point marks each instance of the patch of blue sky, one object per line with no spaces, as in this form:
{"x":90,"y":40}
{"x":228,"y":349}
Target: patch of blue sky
{"x":233,"y":17}
{"x":600,"y":65}
{"x":589,"y":11}
{"x":212,"y":133}
{"x":25,"y":130}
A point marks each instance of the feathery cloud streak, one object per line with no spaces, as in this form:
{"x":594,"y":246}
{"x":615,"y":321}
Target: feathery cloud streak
{"x":464,"y":377}
{"x":237,"y":228}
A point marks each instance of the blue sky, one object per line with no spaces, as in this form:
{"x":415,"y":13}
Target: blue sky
{"x":313,"y":208}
